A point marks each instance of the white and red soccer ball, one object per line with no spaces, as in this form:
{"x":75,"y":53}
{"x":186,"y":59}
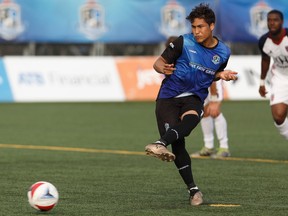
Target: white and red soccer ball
{"x":43,"y":196}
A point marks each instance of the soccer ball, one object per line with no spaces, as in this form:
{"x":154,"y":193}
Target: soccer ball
{"x":43,"y":196}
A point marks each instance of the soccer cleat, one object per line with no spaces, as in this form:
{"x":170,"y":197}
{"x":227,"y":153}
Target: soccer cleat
{"x":159,"y":151}
{"x":204,"y":152}
{"x":196,"y":197}
{"x":221,"y":153}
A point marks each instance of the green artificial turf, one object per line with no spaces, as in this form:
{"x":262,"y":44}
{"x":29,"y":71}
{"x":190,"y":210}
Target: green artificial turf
{"x":99,"y":167}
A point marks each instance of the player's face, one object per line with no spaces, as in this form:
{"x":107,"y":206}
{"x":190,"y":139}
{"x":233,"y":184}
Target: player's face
{"x":202,"y":30}
{"x":274,"y":23}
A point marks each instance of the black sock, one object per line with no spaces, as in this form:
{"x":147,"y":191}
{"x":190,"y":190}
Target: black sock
{"x":161,"y":142}
{"x":188,"y":123}
{"x":191,"y":186}
{"x":193,"y":190}
{"x":183,"y":163}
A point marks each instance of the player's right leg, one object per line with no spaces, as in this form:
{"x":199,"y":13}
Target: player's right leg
{"x":159,"y":150}
{"x":279,"y":113}
{"x":171,"y":127}
{"x":166,"y":115}
{"x":279,"y":103}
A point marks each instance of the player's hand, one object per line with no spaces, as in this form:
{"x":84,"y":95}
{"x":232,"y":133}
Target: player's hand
{"x":168,"y":69}
{"x":213,"y":108}
{"x":262,"y":91}
{"x":228,"y":75}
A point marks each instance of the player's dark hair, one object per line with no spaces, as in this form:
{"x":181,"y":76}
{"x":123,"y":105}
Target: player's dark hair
{"x":276,"y":12}
{"x":202,"y":11}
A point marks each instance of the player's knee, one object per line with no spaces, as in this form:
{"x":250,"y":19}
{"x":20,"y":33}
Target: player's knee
{"x":189,"y":123}
{"x":279,"y":119}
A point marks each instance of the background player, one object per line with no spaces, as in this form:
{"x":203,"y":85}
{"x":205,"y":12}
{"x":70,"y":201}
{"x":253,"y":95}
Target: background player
{"x":274,"y":45}
{"x":214,"y":119}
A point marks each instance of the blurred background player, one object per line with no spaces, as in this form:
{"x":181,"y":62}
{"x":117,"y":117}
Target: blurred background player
{"x":214,"y":119}
{"x":274,"y":44}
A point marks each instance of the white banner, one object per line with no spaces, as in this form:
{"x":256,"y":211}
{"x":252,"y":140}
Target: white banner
{"x":44,"y":79}
{"x":80,"y":79}
{"x":247,"y":85}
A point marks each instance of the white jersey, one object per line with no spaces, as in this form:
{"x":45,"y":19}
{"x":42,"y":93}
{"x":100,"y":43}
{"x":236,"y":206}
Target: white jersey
{"x":279,"y":53}
{"x":279,"y":70}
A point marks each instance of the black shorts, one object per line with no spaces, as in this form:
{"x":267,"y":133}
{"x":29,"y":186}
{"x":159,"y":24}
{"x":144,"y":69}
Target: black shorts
{"x":169,"y":111}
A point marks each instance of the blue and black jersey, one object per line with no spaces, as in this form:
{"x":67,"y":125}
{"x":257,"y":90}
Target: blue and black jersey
{"x":195,"y":65}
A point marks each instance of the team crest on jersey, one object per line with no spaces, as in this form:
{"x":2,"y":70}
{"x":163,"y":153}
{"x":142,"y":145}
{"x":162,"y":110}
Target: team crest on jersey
{"x":258,"y":18}
{"x":216,"y":59}
{"x":173,"y":19}
{"x":92,"y":19}
{"x":10,"y":20}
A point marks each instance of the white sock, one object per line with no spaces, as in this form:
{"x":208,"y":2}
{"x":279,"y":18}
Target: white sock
{"x":283,"y":128}
{"x":221,"y":130}
{"x":207,"y":125}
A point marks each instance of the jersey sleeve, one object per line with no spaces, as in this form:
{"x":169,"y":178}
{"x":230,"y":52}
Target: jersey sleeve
{"x":226,"y":56}
{"x":222,"y":67}
{"x":261,"y":43}
{"x":173,"y":50}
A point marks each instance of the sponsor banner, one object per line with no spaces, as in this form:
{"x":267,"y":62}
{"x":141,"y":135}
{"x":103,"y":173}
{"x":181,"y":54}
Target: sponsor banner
{"x":247,"y":85}
{"x":141,"y":82}
{"x":6,"y":93}
{"x":247,"y":19}
{"x":78,"y":79}
{"x":139,"y":79}
{"x":44,"y":79}
{"x":112,"y":21}
{"x":85,"y":21}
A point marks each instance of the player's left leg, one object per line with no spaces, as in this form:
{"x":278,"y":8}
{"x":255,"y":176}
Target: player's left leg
{"x":183,"y":164}
{"x":279,"y":103}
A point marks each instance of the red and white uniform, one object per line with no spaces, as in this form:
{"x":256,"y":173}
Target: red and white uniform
{"x":279,"y":71}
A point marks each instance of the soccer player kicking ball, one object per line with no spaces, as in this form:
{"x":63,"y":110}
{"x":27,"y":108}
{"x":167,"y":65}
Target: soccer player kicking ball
{"x":191,"y":63}
{"x":274,"y":44}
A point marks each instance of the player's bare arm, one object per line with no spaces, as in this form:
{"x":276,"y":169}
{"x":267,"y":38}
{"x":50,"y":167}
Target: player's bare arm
{"x":227,"y":75}
{"x":265,"y":64}
{"x":161,"y":66}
